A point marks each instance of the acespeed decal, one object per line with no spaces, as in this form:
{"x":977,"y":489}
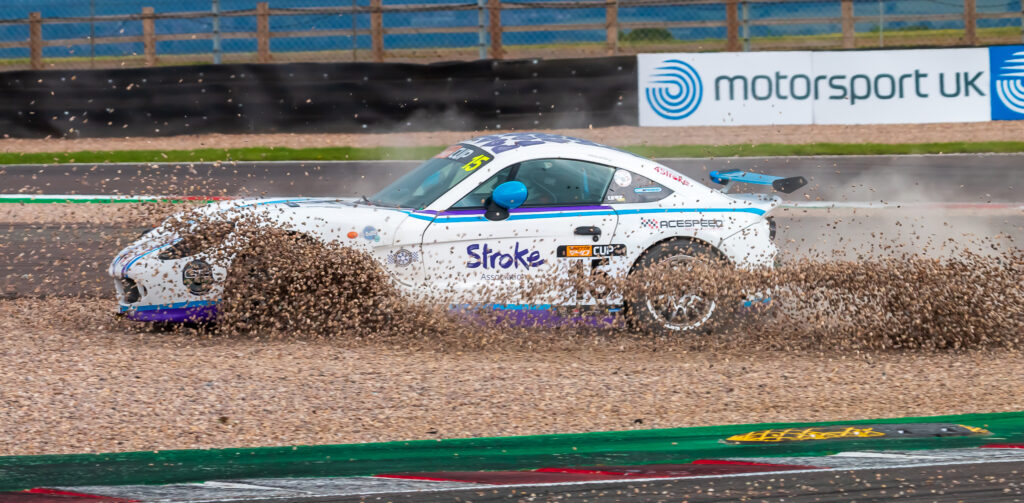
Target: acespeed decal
{"x":571,"y":251}
{"x":702,"y":223}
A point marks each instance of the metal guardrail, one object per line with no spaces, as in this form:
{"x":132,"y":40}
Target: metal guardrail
{"x":737,"y":23}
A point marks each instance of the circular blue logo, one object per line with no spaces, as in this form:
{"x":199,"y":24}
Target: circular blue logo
{"x":675,"y":90}
{"x":1008,"y":82}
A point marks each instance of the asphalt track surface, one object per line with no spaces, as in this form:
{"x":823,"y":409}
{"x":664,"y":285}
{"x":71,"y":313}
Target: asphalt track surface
{"x":963,"y":178}
{"x":65,"y":260}
{"x":963,"y":482}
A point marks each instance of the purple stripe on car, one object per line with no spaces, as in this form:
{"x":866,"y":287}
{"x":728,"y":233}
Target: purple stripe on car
{"x":174,"y":315}
{"x":541,"y":209}
{"x":559,"y":208}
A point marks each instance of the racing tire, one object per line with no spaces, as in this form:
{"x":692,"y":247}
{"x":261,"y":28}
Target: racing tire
{"x":677,"y":312}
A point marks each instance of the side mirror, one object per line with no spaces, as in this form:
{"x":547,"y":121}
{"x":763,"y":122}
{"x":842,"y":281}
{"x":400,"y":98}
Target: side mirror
{"x":507,"y":196}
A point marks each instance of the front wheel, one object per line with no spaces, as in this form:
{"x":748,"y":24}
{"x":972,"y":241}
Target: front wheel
{"x":670,"y":298}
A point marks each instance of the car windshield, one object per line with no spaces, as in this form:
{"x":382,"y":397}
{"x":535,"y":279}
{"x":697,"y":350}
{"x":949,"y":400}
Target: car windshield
{"x":423,"y":185}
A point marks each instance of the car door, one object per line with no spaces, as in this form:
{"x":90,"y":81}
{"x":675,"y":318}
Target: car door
{"x":556,"y":232}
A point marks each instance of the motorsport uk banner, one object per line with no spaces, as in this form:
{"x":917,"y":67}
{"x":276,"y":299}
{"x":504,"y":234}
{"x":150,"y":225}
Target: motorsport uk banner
{"x":847,"y":87}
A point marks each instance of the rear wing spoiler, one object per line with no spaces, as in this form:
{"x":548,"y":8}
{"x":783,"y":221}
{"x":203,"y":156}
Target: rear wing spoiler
{"x":781,"y":184}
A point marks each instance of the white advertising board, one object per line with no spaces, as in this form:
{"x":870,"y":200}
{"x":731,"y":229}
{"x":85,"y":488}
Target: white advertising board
{"x":848,"y":87}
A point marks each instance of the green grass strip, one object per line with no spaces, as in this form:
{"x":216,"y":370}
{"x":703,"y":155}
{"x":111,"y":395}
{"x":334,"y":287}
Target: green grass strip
{"x":71,"y":199}
{"x":677,"y":445}
{"x":233,"y":154}
{"x":417,"y":153}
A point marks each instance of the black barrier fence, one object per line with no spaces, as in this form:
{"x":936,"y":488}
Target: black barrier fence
{"x":319,"y":97}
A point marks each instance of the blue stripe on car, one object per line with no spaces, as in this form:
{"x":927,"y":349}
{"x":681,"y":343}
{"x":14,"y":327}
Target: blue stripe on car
{"x":175,"y":305}
{"x":136,"y":259}
{"x":527,"y":216}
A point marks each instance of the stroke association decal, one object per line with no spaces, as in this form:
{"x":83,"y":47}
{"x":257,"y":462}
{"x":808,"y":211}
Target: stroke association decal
{"x":675,"y":90}
{"x":1007,"y":67}
{"x":489,"y":258}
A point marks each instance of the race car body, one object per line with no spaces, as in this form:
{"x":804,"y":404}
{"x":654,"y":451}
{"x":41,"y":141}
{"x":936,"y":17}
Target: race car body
{"x":473,"y":224}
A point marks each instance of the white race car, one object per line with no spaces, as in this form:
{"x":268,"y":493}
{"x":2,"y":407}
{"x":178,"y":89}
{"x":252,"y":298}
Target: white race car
{"x":485,"y":215}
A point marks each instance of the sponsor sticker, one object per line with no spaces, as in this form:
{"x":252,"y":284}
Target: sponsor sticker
{"x":403,"y":257}
{"x":803,"y":434}
{"x":574,"y":251}
{"x":644,"y":190}
{"x":477,"y":161}
{"x":687,"y":223}
{"x":671,"y":174}
{"x":846,"y":432}
{"x":578,"y":250}
{"x":486,"y":257}
{"x":623,"y":178}
{"x":197,"y":276}
{"x":370,"y":233}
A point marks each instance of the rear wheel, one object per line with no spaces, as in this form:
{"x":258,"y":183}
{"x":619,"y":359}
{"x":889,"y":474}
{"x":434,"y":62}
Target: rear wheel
{"x":665,"y":303}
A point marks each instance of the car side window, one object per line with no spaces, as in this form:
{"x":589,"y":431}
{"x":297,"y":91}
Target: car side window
{"x":563,"y":182}
{"x":629,"y":187}
{"x":478,"y":198}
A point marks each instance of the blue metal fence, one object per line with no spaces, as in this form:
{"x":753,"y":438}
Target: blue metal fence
{"x":90,"y":33}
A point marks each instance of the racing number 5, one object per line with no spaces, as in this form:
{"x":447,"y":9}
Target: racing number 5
{"x":475,"y":163}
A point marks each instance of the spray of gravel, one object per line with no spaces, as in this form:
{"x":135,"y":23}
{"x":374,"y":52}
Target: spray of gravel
{"x":858,"y":281}
{"x":283,"y":284}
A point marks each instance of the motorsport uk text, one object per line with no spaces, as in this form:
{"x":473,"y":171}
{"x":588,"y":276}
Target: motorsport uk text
{"x":842,"y":87}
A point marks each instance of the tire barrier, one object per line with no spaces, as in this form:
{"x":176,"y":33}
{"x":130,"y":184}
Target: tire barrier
{"x":320,"y":97}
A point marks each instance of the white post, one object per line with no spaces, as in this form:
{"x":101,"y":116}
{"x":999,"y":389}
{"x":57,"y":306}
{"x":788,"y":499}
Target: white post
{"x":746,"y":26}
{"x":881,"y":23}
{"x":92,"y":33}
{"x":481,"y":29}
{"x":216,"y":31}
{"x":355,"y":35}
